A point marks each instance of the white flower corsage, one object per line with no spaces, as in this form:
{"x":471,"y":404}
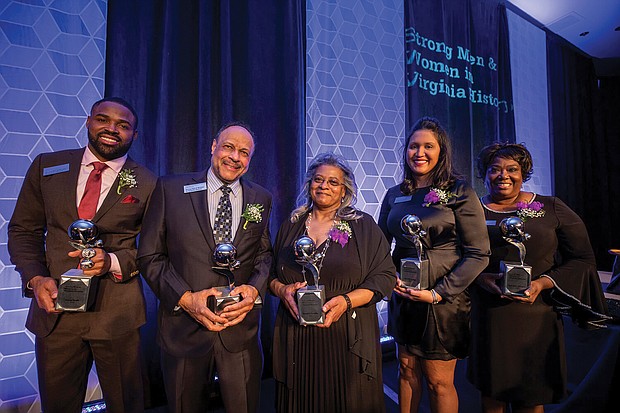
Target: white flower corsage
{"x":126,"y":178}
{"x":252,"y":213}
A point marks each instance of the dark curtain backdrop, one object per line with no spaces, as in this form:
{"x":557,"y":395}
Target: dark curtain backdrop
{"x":480,"y":29}
{"x":585,"y":129}
{"x":189,"y":67}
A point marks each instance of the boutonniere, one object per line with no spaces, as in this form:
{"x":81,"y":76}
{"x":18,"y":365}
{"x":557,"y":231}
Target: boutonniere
{"x":437,"y":196}
{"x":126,"y":178}
{"x":526,"y":211}
{"x":340,"y":233}
{"x":252,"y":213}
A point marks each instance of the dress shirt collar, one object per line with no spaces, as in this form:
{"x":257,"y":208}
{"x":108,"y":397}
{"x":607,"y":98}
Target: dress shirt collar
{"x":115,"y":164}
{"x":214,"y":183}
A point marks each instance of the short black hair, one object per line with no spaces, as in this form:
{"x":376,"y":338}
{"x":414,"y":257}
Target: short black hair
{"x":515,"y":151}
{"x":236,"y":123}
{"x":120,"y":101}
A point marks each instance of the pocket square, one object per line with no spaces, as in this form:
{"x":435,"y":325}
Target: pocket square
{"x":130,"y":199}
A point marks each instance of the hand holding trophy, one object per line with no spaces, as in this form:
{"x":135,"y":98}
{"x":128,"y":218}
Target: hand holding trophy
{"x":225,"y":259}
{"x":414,"y":271}
{"x":76,"y":291}
{"x":517,"y":276}
{"x":310,"y":299}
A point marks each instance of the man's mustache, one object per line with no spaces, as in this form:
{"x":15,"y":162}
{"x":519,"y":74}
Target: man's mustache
{"x":109,"y":133}
{"x":234,"y":163}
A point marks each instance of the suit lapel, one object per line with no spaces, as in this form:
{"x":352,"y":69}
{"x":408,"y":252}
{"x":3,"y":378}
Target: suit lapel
{"x":201,"y":209}
{"x":68,"y":181}
{"x":113,"y":196}
{"x":249,"y":197}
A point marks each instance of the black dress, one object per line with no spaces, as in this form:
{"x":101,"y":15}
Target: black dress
{"x":518,"y":351}
{"x":457,"y":247}
{"x":335,"y":369}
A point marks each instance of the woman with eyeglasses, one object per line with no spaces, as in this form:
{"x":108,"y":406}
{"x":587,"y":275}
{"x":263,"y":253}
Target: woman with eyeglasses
{"x":445,"y":231}
{"x":331,"y":362}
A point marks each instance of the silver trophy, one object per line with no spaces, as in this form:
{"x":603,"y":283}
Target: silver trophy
{"x":76,"y":291}
{"x":414,"y":272}
{"x":225,"y":259}
{"x":517,"y":276}
{"x":311,"y":298}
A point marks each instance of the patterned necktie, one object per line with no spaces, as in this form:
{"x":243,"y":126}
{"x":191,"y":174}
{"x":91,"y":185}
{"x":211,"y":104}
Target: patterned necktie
{"x":222,"y":229}
{"x":90,"y":199}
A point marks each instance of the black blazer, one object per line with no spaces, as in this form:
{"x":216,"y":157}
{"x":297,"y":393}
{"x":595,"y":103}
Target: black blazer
{"x":175,"y":256}
{"x":38,"y":240}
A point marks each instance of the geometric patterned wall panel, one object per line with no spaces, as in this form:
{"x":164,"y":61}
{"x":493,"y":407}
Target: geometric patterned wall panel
{"x":528,"y":61}
{"x":52,"y":60}
{"x":355,"y":100}
{"x":355,"y":89}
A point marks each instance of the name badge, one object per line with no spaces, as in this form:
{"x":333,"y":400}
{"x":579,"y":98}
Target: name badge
{"x":401,"y":199}
{"x":53,"y":170}
{"x":491,"y":222}
{"x":195,"y":188}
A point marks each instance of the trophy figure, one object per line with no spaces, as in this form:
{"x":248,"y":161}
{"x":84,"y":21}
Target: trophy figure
{"x":225,"y":261}
{"x":414,"y":271}
{"x":311,"y":298}
{"x":517,"y":276}
{"x":76,"y":291}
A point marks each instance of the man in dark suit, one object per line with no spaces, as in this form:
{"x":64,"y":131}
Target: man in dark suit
{"x":175,"y":257}
{"x":58,"y":189}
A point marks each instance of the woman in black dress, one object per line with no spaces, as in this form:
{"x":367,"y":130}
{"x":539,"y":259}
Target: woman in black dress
{"x":431,"y":324}
{"x":334,"y":366}
{"x":518,"y":356}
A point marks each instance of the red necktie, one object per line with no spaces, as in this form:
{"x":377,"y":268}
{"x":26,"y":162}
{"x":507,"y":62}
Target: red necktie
{"x":90,"y":199}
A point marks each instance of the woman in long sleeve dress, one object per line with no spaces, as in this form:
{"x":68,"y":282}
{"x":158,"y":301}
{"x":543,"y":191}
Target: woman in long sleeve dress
{"x":518,"y":355}
{"x":334,"y":366}
{"x":431,"y":324}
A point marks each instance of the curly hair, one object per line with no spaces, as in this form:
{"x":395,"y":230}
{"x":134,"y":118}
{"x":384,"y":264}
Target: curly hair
{"x":346,"y":211}
{"x":515,"y":151}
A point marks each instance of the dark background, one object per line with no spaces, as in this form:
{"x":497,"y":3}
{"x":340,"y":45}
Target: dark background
{"x":191,"y":66}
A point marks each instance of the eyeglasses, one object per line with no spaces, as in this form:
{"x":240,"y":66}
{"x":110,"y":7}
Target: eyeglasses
{"x":331,"y":182}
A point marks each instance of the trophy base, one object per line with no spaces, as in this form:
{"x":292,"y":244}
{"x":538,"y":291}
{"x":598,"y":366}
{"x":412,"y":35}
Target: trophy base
{"x":310,"y":301}
{"x":414,"y":273}
{"x":517,"y":278}
{"x":217,"y":304}
{"x":76,"y":291}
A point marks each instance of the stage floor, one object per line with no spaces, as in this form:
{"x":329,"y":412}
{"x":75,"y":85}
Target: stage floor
{"x":593,"y":365}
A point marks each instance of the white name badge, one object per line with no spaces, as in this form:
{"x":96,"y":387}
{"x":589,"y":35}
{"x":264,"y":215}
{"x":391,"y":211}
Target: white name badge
{"x":195,"y":188}
{"x":491,"y":222}
{"x":401,"y":199}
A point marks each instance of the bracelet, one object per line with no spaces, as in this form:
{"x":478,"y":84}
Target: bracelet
{"x":434,"y":294}
{"x":348,"y":300}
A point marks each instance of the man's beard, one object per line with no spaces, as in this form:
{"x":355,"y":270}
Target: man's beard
{"x":108,"y":152}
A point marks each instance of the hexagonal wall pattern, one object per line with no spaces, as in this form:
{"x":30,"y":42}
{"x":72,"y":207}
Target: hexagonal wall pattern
{"x":355,"y":100}
{"x":52,"y":62}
